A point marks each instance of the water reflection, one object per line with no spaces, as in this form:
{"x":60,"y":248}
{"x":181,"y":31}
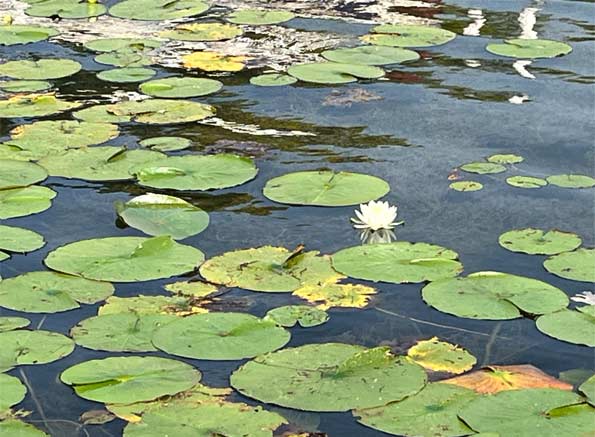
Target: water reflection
{"x":473,"y":29}
{"x":368,"y":236}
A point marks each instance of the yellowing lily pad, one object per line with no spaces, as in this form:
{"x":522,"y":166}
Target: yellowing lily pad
{"x":329,"y":294}
{"x":529,"y":48}
{"x":32,"y":347}
{"x":441,"y":356}
{"x":39,"y":70}
{"x":177,"y":305}
{"x":539,"y":242}
{"x":213,"y":61}
{"x":202,"y":32}
{"x":576,"y":265}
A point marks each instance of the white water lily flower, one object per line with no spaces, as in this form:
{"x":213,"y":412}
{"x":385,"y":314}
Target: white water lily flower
{"x":375,"y":216}
{"x":587,"y":297}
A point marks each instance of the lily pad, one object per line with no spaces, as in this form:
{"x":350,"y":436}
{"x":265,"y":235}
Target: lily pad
{"x":291,"y":315}
{"x":576,"y":265}
{"x":194,"y":289}
{"x":406,"y":35}
{"x":440,"y":356}
{"x":522,"y":412}
{"x":571,"y":181}
{"x":329,"y":294}
{"x":125,"y":259}
{"x":124,"y":58}
{"x":20,"y":240}
{"x":329,"y":377}
{"x":12,"y":323}
{"x":466,"y":186}
{"x":34,"y":105}
{"x":123,"y":380}
{"x":539,"y":242}
{"x":126,"y":74}
{"x":573,"y":326}
{"x":49,"y":292}
{"x":529,"y":48}
{"x":153,"y":10}
{"x":505,"y":159}
{"x":213,"y":61}
{"x":398,"y":262}
{"x":430,"y":413}
{"x":40,"y":70}
{"x":334,"y":72}
{"x":371,"y":55}
{"x":220,"y":336}
{"x":175,"y":87}
{"x":493,"y":296}
{"x":526,"y":182}
{"x":588,"y":389}
{"x":177,"y":305}
{"x":68,"y":9}
{"x":32,"y":347}
{"x":11,"y":427}
{"x":20,"y":34}
{"x":325,"y":188}
{"x":202,"y":32}
{"x":259,"y":17}
{"x":166,"y":144}
{"x":26,"y":86}
{"x":483,"y":168}
{"x":15,"y":174}
{"x":118,"y":44}
{"x":196,"y":172}
{"x":157,"y":214}
{"x":273,"y":79}
{"x":13,"y":392}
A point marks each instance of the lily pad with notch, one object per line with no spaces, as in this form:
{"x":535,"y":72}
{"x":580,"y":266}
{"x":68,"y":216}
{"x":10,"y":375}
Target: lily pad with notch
{"x":16,"y":174}
{"x":334,"y":72}
{"x":572,"y":326}
{"x":34,"y":105}
{"x":24,"y":34}
{"x":529,"y":48}
{"x":25,"y":347}
{"x":177,"y":87}
{"x":40,"y":70}
{"x":407,"y":35}
{"x":538,"y":242}
{"x":576,"y":265}
{"x":19,"y":240}
{"x":526,"y":182}
{"x":371,"y":55}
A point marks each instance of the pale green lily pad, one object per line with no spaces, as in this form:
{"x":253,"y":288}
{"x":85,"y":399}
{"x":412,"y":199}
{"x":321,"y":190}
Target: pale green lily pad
{"x":305,"y":315}
{"x":158,"y":214}
{"x":20,"y":240}
{"x":32,"y":347}
{"x":166,"y":144}
{"x":124,"y":380}
{"x":493,"y":296}
{"x":273,"y":79}
{"x":24,"y":86}
{"x":126,"y":74}
{"x":539,"y":242}
{"x":194,"y":289}
{"x":571,"y":181}
{"x":12,"y":323}
{"x":17,"y":428}
{"x":153,"y":10}
{"x":13,"y":392}
{"x":220,"y":336}
{"x":526,"y":182}
{"x":15,"y":174}
{"x":4,"y":256}
{"x":371,"y":55}
{"x":123,"y":332}
{"x":49,"y":292}
{"x":179,"y":87}
{"x":334,"y":72}
{"x":107,"y":163}
{"x":68,"y":9}
{"x":19,"y":202}
{"x":202,"y":32}
{"x":430,"y":413}
{"x":406,"y":35}
{"x":259,"y":17}
{"x":576,"y":265}
{"x":325,"y":188}
{"x":34,"y":105}
{"x":269,"y":269}
{"x":119,"y":44}
{"x":465,"y":186}
{"x":20,"y":34}
{"x":125,"y":259}
{"x":398,"y":262}
{"x":196,"y":172}
{"x":522,"y":413}
{"x":176,"y":305}
{"x":505,"y":159}
{"x":40,"y":70}
{"x":152,"y":111}
{"x":124,"y":58}
{"x":573,"y":326}
{"x":440,"y":356}
{"x":529,"y":48}
{"x":588,"y":389}
{"x":483,"y":168}
{"x":329,"y":377}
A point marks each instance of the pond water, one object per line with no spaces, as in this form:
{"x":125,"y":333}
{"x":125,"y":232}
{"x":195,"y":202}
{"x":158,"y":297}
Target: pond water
{"x":457,"y":104}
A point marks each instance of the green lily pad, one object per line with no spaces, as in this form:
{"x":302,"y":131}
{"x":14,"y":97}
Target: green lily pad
{"x":157,"y":214}
{"x":124,"y":380}
{"x":40,"y":70}
{"x":15,"y":174}
{"x":493,"y":296}
{"x":69,"y":9}
{"x":17,"y":428}
{"x":19,"y":202}
{"x":440,"y":356}
{"x":20,"y":34}
{"x":196,"y":172}
{"x":152,"y":111}
{"x":34,"y":105}
{"x":572,"y":326}
{"x":24,"y":86}
{"x":483,"y":168}
{"x":398,"y":262}
{"x":405,"y":35}
{"x":175,"y":87}
{"x":4,"y":256}
{"x":259,"y":17}
{"x":333,"y":72}
{"x":202,"y":32}
{"x":123,"y":332}
{"x":49,"y":292}
{"x":529,"y":48}
{"x":305,"y":315}
{"x":273,"y":79}
{"x":124,"y":58}
{"x":520,"y":413}
{"x":20,"y":240}
{"x":571,"y":181}
{"x":526,"y":182}
{"x":153,"y":10}
{"x":538,"y":242}
{"x":325,"y":188}
{"x":13,"y":391}
{"x":329,"y":377}
{"x":32,"y":347}
{"x":176,"y":305}
{"x":118,"y":44}
{"x":195,"y":289}
{"x":268,"y":269}
{"x":166,"y":144}
{"x":220,"y":336}
{"x":465,"y":186}
{"x":12,"y":323}
{"x":430,"y":413}
{"x":126,"y":74}
{"x":371,"y":55}
{"x":107,"y":163}
{"x":576,"y":265}
{"x":125,"y":259}
{"x":505,"y":159}
{"x":588,"y":389}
